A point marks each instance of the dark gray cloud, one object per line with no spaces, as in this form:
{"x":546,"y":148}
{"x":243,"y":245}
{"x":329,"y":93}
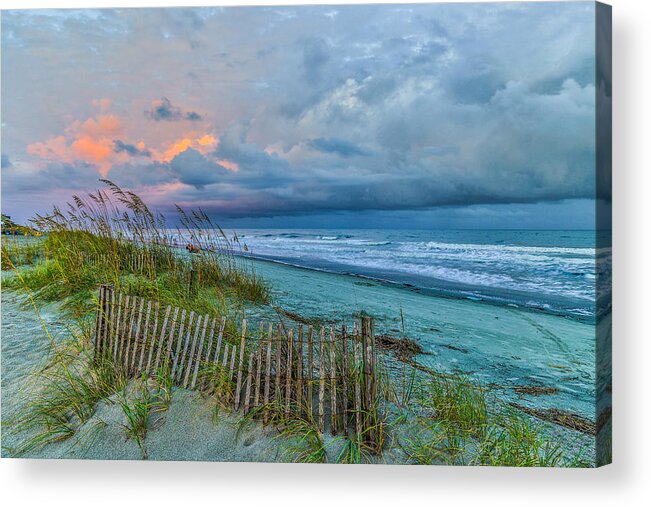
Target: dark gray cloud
{"x":120,"y":146}
{"x":338,"y":146}
{"x":163,"y":110}
{"x":192,"y":168}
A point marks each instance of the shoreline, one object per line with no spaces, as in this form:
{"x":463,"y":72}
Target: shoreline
{"x":428,"y":291}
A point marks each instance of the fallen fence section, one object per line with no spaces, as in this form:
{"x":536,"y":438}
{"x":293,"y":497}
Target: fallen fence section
{"x":326,"y":375}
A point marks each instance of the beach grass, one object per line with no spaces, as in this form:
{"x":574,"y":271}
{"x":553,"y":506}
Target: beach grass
{"x":20,"y":252}
{"x":112,"y":237}
{"x":65,"y":396}
{"x":458,"y":422}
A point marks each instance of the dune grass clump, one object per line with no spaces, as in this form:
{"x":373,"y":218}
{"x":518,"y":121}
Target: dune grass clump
{"x":455,"y":426}
{"x":147,"y":397}
{"x":23,"y":252}
{"x":65,"y":396}
{"x":112,"y":237}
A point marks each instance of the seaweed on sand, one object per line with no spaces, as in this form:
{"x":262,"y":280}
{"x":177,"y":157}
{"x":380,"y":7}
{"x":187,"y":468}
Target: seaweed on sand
{"x":403,"y":348}
{"x":535,"y":390}
{"x":560,"y":417}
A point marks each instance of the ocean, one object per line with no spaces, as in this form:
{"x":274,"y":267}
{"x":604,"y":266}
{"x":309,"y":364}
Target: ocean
{"x":552,"y":271}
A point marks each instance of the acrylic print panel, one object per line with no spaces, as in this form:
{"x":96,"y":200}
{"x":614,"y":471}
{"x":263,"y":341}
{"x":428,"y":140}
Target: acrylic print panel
{"x":332,"y":234}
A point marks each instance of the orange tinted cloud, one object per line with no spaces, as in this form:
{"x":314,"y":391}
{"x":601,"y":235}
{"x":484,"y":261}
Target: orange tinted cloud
{"x":102,"y":126}
{"x":231,"y":166}
{"x":52,"y":149}
{"x":90,"y":150}
{"x":90,"y":141}
{"x":93,"y":141}
{"x":202,"y":143}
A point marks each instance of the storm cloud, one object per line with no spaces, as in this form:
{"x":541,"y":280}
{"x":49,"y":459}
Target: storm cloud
{"x":291,"y":110}
{"x":121,"y":146}
{"x":163,"y":110}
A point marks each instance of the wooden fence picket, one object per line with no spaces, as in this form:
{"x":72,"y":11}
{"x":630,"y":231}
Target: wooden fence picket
{"x":241,"y":365}
{"x":333,"y":381}
{"x":179,"y":344}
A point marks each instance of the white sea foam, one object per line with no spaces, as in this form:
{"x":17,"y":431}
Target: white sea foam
{"x":540,"y":266}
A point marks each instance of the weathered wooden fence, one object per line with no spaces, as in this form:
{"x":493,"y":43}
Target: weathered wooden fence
{"x":326,"y":375}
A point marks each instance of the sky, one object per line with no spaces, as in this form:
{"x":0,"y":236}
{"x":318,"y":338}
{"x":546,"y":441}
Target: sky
{"x":406,"y":116}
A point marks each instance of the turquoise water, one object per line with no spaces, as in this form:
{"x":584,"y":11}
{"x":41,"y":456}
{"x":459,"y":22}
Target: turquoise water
{"x":553,"y":271}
